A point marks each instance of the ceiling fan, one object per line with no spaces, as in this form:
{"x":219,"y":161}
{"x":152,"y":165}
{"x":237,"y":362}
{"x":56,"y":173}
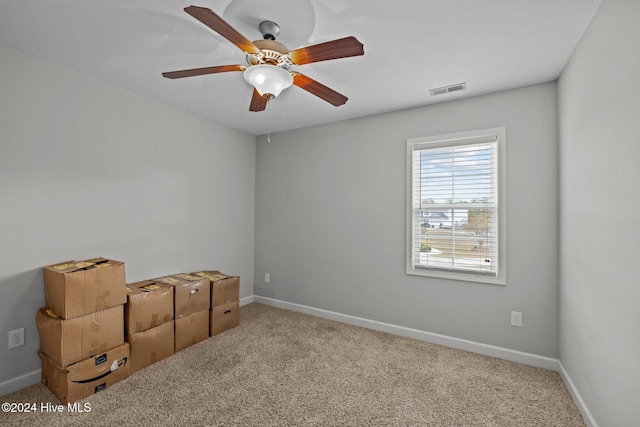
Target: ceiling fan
{"x":269,"y":62}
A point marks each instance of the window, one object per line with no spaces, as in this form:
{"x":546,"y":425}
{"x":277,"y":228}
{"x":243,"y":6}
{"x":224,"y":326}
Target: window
{"x":456,"y":206}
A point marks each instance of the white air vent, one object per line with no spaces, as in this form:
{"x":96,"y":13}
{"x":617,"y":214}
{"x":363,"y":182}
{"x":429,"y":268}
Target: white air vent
{"x":447,"y":89}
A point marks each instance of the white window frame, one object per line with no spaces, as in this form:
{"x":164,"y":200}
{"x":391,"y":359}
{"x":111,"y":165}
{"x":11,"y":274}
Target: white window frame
{"x":477,"y":136}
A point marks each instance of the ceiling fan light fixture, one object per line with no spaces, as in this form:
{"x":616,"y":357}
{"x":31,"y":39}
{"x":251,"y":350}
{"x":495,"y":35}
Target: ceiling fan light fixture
{"x":269,"y":80}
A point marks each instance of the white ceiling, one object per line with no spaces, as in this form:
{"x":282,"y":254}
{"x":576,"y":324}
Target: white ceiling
{"x":410,"y":46}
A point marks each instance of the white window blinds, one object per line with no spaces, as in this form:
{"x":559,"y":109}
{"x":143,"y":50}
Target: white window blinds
{"x":454,"y":204}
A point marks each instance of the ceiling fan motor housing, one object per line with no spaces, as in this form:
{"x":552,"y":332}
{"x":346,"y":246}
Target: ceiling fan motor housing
{"x":272,"y":53}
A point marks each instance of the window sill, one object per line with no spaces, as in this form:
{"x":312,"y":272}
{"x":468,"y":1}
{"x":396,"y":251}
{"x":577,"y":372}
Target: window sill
{"x":451,"y":275}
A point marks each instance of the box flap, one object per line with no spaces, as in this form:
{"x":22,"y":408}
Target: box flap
{"x":73,"y":266}
{"x":168,"y":280}
{"x":213,"y":275}
{"x":189,"y":277}
{"x":143,"y":286}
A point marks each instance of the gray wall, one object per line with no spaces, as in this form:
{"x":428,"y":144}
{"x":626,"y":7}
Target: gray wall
{"x":87,"y":169}
{"x":330,"y":221}
{"x":599,"y":105}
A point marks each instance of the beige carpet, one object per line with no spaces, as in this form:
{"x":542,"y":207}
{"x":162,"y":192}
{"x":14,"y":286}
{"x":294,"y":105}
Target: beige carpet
{"x":282,"y":368}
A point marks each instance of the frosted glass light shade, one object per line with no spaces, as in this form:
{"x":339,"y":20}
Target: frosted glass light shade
{"x":268,"y":80}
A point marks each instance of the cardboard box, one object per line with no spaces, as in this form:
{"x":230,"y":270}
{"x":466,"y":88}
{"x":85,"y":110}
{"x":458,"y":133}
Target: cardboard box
{"x":224,"y":289}
{"x":149,"y":304}
{"x":84,"y":378}
{"x":151,"y":346}
{"x":73,"y":288}
{"x":224,"y":317}
{"x":71,"y":340}
{"x":191,"y":329}
{"x":191,"y":293}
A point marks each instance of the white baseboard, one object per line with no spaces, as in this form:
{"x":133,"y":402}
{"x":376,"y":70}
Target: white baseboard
{"x":18,"y":383}
{"x":461,"y":344}
{"x":577,"y":398}
{"x":246,"y":300}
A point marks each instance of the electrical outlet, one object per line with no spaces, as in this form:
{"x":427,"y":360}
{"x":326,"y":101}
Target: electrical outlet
{"x":516,"y":319}
{"x":267,"y":278}
{"x":16,"y":338}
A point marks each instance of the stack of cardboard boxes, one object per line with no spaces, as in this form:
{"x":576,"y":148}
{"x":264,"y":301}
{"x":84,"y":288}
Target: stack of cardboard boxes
{"x":225,"y":301}
{"x":191,"y":308}
{"x":148,"y":320}
{"x":81,"y":328}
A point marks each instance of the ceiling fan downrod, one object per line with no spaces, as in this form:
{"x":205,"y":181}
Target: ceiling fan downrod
{"x":269,"y":30}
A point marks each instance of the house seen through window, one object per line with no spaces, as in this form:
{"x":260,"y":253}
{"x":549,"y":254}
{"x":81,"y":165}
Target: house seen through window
{"x":454,"y":213}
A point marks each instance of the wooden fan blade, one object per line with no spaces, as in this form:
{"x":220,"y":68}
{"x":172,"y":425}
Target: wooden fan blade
{"x":341,"y":48}
{"x":201,"y":71}
{"x":258,"y":102}
{"x":217,"y":24}
{"x":319,"y":90}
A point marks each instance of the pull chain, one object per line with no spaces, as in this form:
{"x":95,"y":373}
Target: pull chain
{"x":268,"y":121}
